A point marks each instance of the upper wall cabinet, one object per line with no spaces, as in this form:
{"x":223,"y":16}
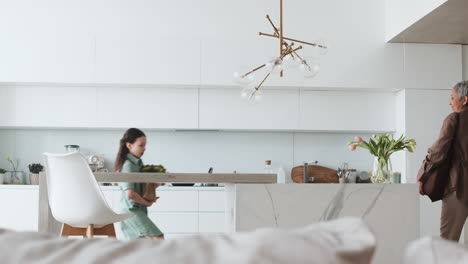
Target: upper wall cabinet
{"x":146,"y":58}
{"x":147,"y":107}
{"x":225,"y":109}
{"x":44,"y":56}
{"x":55,"y":106}
{"x":7,"y":107}
{"x":347,"y":111}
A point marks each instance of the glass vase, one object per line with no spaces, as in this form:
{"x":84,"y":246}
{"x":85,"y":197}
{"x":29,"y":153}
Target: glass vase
{"x":16,"y":177}
{"x":382,"y":170}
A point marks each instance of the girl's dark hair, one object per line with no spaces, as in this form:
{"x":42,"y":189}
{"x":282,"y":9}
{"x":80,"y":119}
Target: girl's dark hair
{"x":130,"y":136}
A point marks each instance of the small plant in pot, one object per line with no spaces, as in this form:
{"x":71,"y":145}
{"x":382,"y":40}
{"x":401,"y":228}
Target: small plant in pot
{"x":2,"y":175}
{"x":34,"y":168}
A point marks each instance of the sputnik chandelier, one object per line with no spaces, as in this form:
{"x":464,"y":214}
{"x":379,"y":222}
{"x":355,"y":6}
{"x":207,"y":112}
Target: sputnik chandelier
{"x":288,"y":58}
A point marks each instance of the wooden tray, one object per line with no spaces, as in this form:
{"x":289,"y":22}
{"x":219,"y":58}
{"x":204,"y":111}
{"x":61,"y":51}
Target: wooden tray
{"x":321,"y":174}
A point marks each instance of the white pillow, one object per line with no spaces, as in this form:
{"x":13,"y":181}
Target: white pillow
{"x":346,"y":240}
{"x":432,"y":250}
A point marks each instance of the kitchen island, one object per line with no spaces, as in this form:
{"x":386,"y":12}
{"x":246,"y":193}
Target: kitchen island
{"x":391,"y":210}
{"x":48,"y":224}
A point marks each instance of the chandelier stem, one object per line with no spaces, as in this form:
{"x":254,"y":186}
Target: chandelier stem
{"x":281,"y":32}
{"x":295,"y":40}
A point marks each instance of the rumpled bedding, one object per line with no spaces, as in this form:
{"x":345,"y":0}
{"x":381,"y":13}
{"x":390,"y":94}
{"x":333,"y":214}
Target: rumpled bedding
{"x":342,"y":241}
{"x":435,"y":250}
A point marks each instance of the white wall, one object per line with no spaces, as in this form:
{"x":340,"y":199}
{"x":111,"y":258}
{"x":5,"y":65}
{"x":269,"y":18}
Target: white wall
{"x":465,"y":61}
{"x":400,"y":14}
{"x":200,"y":42}
{"x":193,"y":151}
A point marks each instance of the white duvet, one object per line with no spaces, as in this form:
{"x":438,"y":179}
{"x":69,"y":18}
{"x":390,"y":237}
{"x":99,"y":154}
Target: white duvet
{"x":435,"y":250}
{"x":346,"y":240}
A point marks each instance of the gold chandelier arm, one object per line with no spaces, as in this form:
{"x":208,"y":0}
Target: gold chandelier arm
{"x":261,"y":83}
{"x":295,"y":40}
{"x":258,"y":68}
{"x":273,"y":25}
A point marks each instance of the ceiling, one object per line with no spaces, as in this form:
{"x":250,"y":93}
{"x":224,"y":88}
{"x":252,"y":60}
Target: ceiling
{"x":447,"y":24}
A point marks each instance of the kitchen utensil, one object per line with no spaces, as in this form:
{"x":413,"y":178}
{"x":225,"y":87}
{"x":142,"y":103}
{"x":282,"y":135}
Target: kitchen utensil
{"x":320,"y":174}
{"x":210,"y":170}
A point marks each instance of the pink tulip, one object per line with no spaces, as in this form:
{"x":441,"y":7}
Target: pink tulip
{"x":358,"y":139}
{"x":352,"y":147}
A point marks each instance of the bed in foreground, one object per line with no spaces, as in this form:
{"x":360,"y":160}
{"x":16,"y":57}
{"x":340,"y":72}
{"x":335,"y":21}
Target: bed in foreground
{"x":346,"y":240}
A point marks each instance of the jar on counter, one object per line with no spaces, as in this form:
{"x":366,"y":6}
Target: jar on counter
{"x":396,"y":177}
{"x":72,"y":148}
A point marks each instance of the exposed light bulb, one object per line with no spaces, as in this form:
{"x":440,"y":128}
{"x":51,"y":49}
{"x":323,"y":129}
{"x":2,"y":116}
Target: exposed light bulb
{"x":309,"y":69}
{"x":291,"y":62}
{"x":275,"y":65}
{"x":246,"y":92}
{"x":242,"y":79}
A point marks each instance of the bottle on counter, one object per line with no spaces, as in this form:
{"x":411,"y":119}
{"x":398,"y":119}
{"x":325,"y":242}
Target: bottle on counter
{"x":268,"y":168}
{"x":281,"y":175}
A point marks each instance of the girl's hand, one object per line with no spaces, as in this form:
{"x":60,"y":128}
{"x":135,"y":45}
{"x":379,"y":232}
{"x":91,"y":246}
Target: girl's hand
{"x":153,"y":201}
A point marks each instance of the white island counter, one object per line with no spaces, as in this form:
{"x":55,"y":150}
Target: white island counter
{"x":48,"y":224}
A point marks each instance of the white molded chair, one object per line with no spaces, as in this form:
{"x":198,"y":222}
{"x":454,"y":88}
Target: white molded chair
{"x":75,"y":198}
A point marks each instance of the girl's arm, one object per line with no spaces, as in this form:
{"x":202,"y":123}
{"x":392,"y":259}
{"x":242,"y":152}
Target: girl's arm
{"x":134,"y":196}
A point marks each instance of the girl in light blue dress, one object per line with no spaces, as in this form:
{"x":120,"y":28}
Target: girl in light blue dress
{"x":132,"y":147}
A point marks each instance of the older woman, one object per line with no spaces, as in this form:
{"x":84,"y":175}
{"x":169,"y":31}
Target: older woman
{"x":453,"y":142}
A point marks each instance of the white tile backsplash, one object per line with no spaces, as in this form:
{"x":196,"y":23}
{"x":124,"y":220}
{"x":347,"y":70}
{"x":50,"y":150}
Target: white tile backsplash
{"x":193,"y":151}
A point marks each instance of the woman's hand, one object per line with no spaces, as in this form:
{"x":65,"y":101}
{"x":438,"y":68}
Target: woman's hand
{"x":421,"y":190}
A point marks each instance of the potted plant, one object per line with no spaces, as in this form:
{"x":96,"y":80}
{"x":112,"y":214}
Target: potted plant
{"x":2,"y":175}
{"x":34,"y":169}
{"x":15,"y":176}
{"x":382,"y":147}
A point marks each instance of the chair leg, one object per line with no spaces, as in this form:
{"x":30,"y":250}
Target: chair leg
{"x":108,"y":230}
{"x":90,"y":231}
{"x":67,"y":230}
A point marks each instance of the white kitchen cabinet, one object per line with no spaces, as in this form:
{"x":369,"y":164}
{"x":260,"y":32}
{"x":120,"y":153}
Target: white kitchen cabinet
{"x":211,"y":222}
{"x":55,"y":106}
{"x":175,"y":222}
{"x":7,"y":106}
{"x":181,"y":210}
{"x":139,"y":57}
{"x":176,"y":201}
{"x":347,"y":111}
{"x":211,"y":201}
{"x":147,"y":107}
{"x":46,"y":55}
{"x":225,"y":109}
{"x":19,"y":207}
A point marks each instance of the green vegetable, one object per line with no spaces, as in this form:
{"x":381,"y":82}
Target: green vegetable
{"x":153,"y":168}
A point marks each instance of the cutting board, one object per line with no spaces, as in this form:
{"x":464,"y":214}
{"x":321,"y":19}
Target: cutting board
{"x":320,"y":173}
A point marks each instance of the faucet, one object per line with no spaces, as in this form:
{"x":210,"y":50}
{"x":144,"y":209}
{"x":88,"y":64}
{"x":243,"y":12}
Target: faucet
{"x":306,"y":171}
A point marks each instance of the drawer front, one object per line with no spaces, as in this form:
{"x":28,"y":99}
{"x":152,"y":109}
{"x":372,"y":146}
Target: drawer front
{"x":211,"y":201}
{"x":211,"y":222}
{"x":19,"y":209}
{"x":173,"y":201}
{"x":175,"y":222}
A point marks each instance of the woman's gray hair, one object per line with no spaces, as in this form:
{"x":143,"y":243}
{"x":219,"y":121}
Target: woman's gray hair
{"x":461,"y":88}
